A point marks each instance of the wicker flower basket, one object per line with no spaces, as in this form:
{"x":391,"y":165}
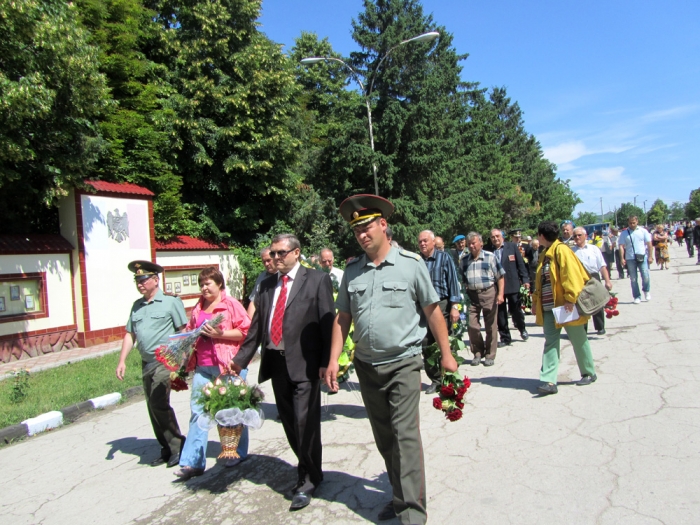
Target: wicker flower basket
{"x":229,"y":436}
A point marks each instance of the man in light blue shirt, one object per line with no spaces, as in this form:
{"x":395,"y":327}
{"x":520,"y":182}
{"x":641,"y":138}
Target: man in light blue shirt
{"x":635,"y":245}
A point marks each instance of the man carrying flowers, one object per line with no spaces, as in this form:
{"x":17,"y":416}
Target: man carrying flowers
{"x":388,"y":294}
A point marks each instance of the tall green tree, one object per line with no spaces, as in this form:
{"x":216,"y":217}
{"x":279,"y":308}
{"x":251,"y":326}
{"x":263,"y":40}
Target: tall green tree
{"x":418,"y":110}
{"x":627,"y":209}
{"x":692,"y":209}
{"x":235,"y":100}
{"x":136,"y":127}
{"x":51,"y":92}
{"x":658,"y":213}
{"x":676,"y":211}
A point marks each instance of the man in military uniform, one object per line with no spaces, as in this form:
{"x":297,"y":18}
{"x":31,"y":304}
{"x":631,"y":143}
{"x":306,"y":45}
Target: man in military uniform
{"x":153,"y":318}
{"x":388,"y":294}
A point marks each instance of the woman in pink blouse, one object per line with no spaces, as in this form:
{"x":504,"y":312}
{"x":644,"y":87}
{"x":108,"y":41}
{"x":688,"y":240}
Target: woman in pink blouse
{"x":211,"y":358}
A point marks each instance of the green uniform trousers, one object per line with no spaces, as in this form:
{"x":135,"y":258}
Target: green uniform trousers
{"x":391,"y":393}
{"x":552,"y":352}
{"x":156,"y":387}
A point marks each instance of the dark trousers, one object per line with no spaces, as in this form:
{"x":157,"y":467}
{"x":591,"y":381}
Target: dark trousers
{"x":618,"y":265}
{"x":156,"y":387}
{"x":299,"y":407}
{"x":690,"y":247}
{"x":434,"y":371}
{"x":391,"y":394}
{"x":513,"y":305}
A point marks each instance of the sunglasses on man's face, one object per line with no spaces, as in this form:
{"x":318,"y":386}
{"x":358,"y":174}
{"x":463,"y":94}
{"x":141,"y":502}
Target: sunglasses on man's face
{"x":281,"y":253}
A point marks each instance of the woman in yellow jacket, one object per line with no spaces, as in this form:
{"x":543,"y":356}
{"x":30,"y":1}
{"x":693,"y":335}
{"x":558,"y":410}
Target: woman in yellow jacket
{"x":560,"y":279}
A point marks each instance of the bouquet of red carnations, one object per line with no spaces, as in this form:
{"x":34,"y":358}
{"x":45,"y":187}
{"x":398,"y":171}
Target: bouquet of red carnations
{"x":452,"y":392}
{"x":611,"y":307}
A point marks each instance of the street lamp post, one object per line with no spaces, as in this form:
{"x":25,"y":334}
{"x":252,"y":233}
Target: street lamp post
{"x":646,"y":220}
{"x":425,"y":37}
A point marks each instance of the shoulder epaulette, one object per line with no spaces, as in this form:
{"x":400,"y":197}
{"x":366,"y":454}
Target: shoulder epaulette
{"x":410,"y":255}
{"x":353,"y":260}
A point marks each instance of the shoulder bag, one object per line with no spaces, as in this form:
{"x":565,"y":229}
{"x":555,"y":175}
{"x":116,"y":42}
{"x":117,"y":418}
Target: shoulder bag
{"x":593,"y":297}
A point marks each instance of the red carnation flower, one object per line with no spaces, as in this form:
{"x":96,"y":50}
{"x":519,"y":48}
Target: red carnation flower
{"x":447,"y":391}
{"x":437,"y":403}
{"x":178,"y":384}
{"x":460,"y":405}
{"x":454,"y":415}
{"x":467,"y":382}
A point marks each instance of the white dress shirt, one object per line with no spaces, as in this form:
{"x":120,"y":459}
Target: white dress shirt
{"x":292,"y":275}
{"x":338,"y":273}
{"x":591,"y":257}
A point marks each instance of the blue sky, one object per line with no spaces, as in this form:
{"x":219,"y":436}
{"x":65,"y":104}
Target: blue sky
{"x":610,"y":88}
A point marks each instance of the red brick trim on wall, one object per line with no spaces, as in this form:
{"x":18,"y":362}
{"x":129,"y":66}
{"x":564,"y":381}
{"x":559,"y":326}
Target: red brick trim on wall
{"x":97,"y":337}
{"x":152,"y":230}
{"x":81,"y":261}
{"x":35,"y":333}
{"x":37,"y":276}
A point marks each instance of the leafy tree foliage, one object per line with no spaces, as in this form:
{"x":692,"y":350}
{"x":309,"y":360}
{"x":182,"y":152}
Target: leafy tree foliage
{"x":659,"y":212}
{"x":587,"y":217}
{"x":692,"y":209}
{"x":136,"y":128}
{"x":627,"y":209}
{"x":51,"y":92}
{"x":234,"y":101}
{"x":676,"y":211}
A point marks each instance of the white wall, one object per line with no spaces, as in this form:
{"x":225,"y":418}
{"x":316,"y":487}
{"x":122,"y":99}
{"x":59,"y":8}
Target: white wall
{"x":226,"y":260}
{"x":111,"y":289}
{"x":58,"y":289}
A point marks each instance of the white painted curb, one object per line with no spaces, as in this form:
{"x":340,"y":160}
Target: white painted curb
{"x":43,"y":422}
{"x":106,"y":400}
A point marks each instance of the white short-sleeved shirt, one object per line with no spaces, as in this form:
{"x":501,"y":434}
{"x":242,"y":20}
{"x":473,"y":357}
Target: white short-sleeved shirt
{"x":640,"y":237}
{"x":591,"y":257}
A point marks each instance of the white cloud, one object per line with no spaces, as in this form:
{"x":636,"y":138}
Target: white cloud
{"x":566,"y":152}
{"x":670,"y":113}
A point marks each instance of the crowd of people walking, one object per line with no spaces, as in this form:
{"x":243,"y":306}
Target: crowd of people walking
{"x":399,"y":304}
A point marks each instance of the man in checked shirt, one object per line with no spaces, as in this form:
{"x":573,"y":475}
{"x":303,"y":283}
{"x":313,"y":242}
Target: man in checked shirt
{"x":443,"y":275}
{"x":483,"y":276}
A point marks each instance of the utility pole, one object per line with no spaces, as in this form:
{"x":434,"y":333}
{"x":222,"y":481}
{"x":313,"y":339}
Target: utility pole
{"x":602,"y":215}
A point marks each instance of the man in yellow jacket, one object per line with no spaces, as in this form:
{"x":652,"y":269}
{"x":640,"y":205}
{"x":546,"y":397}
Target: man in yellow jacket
{"x":559,"y":281}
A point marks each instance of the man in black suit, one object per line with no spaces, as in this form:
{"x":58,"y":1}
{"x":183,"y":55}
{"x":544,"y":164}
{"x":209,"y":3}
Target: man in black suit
{"x":293,"y":322}
{"x":508,"y":254}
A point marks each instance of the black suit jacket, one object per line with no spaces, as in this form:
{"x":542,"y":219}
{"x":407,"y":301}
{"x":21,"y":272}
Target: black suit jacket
{"x":516,"y":271}
{"x":307,"y":326}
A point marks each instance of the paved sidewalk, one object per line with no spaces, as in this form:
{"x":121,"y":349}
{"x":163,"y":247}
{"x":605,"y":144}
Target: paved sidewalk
{"x":46,"y":361}
{"x":624,"y":450}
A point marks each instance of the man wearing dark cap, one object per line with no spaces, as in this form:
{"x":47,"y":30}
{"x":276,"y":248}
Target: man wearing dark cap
{"x":153,"y":318}
{"x":389,"y":296}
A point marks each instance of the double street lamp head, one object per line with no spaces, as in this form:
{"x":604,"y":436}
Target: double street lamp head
{"x":425,"y":37}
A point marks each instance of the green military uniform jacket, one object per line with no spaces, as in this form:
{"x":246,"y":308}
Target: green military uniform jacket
{"x":152,"y":322}
{"x":386,"y":303}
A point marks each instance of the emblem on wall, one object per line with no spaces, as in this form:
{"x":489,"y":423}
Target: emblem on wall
{"x":117,"y":225}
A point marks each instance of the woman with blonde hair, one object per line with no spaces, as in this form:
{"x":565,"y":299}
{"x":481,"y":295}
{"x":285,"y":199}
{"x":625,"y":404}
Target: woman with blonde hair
{"x":660,"y":242}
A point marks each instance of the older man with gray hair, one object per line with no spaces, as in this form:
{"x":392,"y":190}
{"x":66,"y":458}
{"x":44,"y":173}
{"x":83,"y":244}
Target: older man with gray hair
{"x":443,"y":275}
{"x":592,"y":260}
{"x":484,"y":278}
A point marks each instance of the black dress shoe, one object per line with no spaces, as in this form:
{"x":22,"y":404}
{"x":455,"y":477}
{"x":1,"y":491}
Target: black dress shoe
{"x":174,"y":460}
{"x":501,"y":344}
{"x":158,"y":461}
{"x":547,"y":388}
{"x":524,"y":335}
{"x":432,"y":387}
{"x":387,"y":513}
{"x":587,"y":380}
{"x":300,"y":500}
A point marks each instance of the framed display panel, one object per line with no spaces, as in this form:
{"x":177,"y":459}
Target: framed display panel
{"x":182,"y":280}
{"x":26,"y":294}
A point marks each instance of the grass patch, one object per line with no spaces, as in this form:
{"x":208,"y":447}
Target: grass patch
{"x":65,"y":385}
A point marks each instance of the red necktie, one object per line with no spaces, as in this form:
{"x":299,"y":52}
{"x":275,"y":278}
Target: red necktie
{"x":278,"y":314}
